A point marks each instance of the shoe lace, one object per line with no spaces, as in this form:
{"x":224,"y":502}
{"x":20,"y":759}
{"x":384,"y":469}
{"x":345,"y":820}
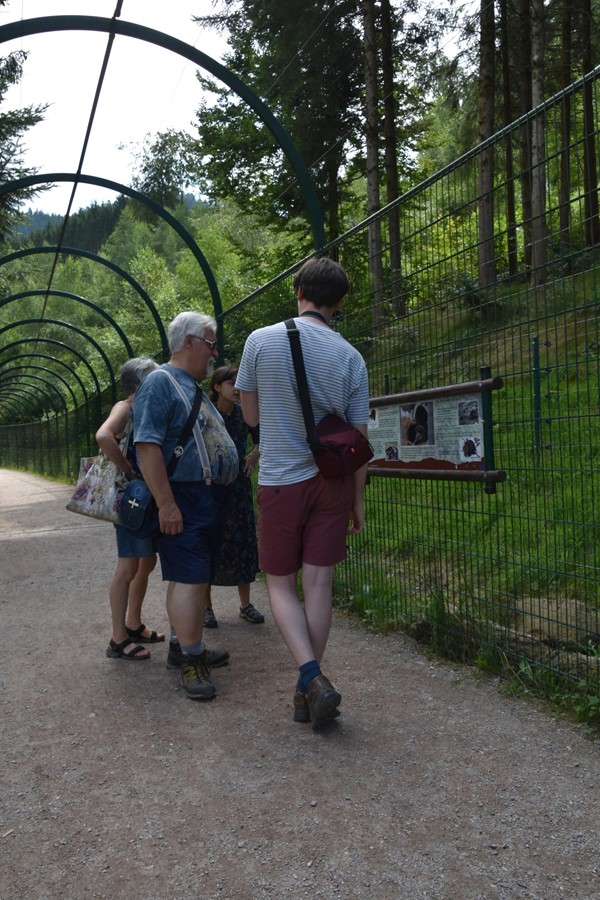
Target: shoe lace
{"x":195,"y":667}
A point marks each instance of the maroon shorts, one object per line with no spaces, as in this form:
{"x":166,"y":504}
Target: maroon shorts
{"x":303,"y":523}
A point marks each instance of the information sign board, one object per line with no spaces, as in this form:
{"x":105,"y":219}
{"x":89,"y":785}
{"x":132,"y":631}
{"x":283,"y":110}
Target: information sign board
{"x":439,"y":433}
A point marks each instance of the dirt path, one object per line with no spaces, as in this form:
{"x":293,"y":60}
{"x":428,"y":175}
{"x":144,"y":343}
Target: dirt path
{"x":431,"y":785}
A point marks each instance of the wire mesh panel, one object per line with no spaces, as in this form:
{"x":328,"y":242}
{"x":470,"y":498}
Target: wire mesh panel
{"x":505,"y":279}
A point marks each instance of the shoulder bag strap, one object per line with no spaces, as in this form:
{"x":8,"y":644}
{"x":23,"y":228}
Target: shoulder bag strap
{"x":187,"y":430}
{"x":190,"y":425}
{"x":299,"y":369}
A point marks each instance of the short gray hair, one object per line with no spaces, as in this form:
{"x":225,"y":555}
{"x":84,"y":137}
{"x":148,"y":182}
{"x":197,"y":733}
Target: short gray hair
{"x":188,"y":323}
{"x":135,"y":370}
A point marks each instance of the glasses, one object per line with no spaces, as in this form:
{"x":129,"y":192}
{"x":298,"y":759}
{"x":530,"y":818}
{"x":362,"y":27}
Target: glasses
{"x":210,"y":344}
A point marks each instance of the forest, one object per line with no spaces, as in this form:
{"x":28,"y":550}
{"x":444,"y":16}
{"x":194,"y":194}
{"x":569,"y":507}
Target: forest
{"x":376,"y":96}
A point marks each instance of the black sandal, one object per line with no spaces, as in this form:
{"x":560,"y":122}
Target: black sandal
{"x":117,"y":651}
{"x":136,"y":634}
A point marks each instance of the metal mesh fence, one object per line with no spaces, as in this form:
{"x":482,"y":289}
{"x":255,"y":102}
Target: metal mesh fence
{"x":54,"y":445}
{"x":507,"y":578}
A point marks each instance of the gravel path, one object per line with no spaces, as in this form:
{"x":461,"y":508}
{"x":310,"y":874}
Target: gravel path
{"x":432,"y":784}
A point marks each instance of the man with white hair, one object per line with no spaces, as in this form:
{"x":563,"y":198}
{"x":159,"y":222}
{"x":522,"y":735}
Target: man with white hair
{"x":188,"y":507}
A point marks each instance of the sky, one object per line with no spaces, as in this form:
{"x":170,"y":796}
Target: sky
{"x":146,"y":89}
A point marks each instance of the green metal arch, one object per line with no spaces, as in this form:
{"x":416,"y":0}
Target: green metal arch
{"x":89,"y":303}
{"x":77,"y":406}
{"x":57,"y":343}
{"x":47,"y":24}
{"x":13,"y":402}
{"x":74,"y":251}
{"x":19,"y":407}
{"x":20,"y":380}
{"x":32,"y":381}
{"x":72,"y":372}
{"x":35,"y":394}
{"x":26,"y":369}
{"x":30,"y":180}
{"x":80,"y":331}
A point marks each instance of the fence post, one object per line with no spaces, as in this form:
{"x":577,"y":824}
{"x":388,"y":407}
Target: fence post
{"x":488,"y":441}
{"x":537,"y":401}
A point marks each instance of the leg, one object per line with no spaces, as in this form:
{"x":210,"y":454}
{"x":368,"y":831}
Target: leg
{"x":124,"y":574}
{"x":210,"y":620}
{"x":247,"y":610}
{"x":137,"y":592}
{"x":306,"y":523}
{"x":289,"y":616}
{"x":317,"y":584}
{"x":185,"y":608}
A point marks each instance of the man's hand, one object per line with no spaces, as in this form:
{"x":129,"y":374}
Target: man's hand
{"x":357,"y":519}
{"x":357,"y":514}
{"x":170,"y":519}
{"x":155,"y":475}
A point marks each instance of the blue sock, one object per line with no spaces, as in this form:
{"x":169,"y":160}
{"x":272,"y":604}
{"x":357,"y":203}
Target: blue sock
{"x":194,"y":649}
{"x":308,"y":671}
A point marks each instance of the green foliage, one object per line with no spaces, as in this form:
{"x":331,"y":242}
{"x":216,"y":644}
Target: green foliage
{"x":310,"y":76}
{"x":129,"y":234}
{"x":163,"y":169}
{"x":34,"y":222}
{"x":13,"y":125}
{"x":86,"y":229}
{"x":449,"y":123}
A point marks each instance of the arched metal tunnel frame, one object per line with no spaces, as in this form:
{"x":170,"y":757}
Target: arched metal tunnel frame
{"x":86,"y":254}
{"x":62,"y":346}
{"x":37,"y":320}
{"x":44,"y":292}
{"x":85,"y":405}
{"x":112,"y":27}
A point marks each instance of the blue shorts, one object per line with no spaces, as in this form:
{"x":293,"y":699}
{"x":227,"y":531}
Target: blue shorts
{"x":190,"y":557}
{"x":128,"y":545}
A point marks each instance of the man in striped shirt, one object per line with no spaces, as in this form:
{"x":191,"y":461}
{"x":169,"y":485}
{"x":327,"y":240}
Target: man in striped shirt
{"x":304,"y":519}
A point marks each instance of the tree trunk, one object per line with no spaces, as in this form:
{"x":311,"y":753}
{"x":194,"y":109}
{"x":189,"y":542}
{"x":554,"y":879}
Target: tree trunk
{"x":590,"y":168}
{"x":372,"y":148}
{"x":391,"y":157}
{"x":566,"y":77}
{"x":524,"y":70}
{"x":485,"y":246}
{"x":333,"y":199}
{"x":538,"y":147}
{"x":511,"y":215}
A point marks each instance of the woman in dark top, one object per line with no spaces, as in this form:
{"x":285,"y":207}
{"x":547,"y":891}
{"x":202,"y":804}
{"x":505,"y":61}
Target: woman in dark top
{"x":238,"y":559}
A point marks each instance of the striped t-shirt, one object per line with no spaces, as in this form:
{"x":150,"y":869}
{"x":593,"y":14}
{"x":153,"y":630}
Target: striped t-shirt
{"x":337,"y":383}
